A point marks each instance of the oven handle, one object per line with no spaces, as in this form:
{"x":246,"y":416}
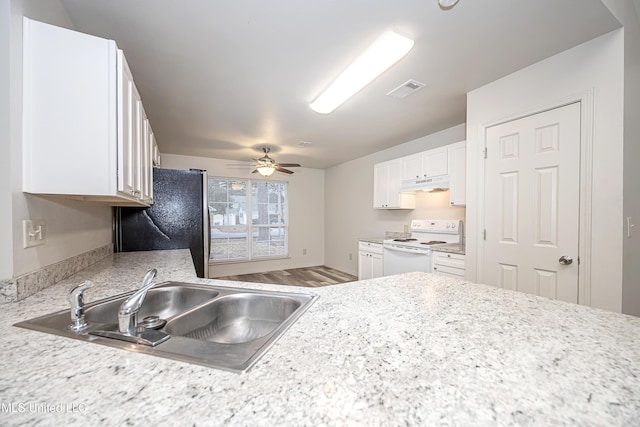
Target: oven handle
{"x":408,"y":251}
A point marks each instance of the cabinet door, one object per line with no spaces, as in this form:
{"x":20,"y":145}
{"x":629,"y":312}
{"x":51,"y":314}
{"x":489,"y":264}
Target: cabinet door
{"x":376,"y":265}
{"x":136,"y":156}
{"x":364,"y":265}
{"x":412,"y":167}
{"x":387,"y":179}
{"x":380,"y":178}
{"x":70,"y":118}
{"x":458,"y":174}
{"x":435,"y":162}
{"x":145,"y":161}
{"x":127,"y":127}
{"x":151,"y":162}
{"x":394,"y":181}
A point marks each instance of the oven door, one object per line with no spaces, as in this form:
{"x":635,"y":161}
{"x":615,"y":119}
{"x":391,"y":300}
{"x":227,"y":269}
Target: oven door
{"x":399,"y":259}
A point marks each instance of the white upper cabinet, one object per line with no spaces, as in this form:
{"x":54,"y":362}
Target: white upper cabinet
{"x":458,"y":173}
{"x":128,"y":128}
{"x":448,"y":160}
{"x":83,"y":124}
{"x":387,"y":178}
{"x":425,"y":165}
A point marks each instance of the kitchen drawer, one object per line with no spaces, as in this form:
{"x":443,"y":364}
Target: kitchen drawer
{"x":458,"y":273}
{"x":448,"y":259}
{"x":370,"y":247}
{"x":448,"y":264}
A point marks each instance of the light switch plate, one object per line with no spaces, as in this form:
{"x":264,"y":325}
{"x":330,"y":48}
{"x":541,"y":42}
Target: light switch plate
{"x":33,"y":233}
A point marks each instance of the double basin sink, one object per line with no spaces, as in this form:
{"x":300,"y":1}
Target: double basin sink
{"x":219,"y":327}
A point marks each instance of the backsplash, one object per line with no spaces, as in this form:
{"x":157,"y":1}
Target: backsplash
{"x":396,"y":235}
{"x":16,"y":289}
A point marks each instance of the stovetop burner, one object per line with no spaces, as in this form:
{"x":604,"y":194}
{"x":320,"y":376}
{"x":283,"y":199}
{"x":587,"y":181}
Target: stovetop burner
{"x":405,"y":240}
{"x":433,"y":242}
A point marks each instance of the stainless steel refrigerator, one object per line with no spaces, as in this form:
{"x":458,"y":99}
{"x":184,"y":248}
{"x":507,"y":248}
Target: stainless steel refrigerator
{"x":178,"y":218}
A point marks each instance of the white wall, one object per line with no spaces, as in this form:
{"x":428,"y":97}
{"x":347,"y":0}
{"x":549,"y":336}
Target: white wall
{"x":72,"y":227}
{"x":306,"y":211}
{"x":596,"y":65}
{"x":349,"y":213}
{"x":6,"y":248}
{"x":628,"y":12}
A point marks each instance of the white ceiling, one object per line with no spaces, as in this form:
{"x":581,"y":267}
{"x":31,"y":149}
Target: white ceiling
{"x":223,"y":78}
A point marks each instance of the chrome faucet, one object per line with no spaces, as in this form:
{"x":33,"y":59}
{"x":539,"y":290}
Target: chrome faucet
{"x":128,"y":313}
{"x":76,"y":298}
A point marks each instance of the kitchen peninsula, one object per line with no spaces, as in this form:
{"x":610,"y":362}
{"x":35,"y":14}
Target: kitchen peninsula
{"x":412,"y":349}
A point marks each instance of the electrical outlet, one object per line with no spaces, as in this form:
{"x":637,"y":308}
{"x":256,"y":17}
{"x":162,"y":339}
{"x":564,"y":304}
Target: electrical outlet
{"x":406,"y":229}
{"x":33,"y":233}
{"x":350,"y":257}
{"x":304,"y":252}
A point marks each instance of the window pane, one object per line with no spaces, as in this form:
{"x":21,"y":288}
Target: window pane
{"x":228,"y":212}
{"x":269,"y":203}
{"x":233,"y":235}
{"x":270,"y":241}
{"x":229,"y":242}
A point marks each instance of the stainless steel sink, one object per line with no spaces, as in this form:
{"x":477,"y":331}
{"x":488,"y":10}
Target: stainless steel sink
{"x":215,"y":326}
{"x":234,"y":319}
{"x":164,"y":301}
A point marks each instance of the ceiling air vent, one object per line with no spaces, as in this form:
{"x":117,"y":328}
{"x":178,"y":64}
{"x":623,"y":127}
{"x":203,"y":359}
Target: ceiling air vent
{"x":405,"y":89}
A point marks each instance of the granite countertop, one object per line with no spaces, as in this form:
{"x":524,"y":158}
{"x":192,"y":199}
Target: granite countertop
{"x":378,"y":240}
{"x":411,"y":349}
{"x":453,"y":248}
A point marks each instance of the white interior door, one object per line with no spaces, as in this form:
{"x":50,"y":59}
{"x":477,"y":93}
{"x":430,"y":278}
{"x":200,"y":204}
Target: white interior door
{"x":532,"y":179}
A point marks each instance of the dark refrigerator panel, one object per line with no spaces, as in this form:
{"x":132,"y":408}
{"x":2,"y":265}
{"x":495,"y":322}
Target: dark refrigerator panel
{"x":178,"y":218}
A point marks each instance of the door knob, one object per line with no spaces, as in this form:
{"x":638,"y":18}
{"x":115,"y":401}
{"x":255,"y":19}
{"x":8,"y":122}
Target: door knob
{"x":565,"y":260}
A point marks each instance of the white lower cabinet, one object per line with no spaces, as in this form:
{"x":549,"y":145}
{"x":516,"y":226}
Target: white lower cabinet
{"x":369,"y":260}
{"x":448,"y":264}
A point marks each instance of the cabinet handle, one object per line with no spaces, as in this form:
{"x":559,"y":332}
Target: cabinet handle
{"x":448,"y":256}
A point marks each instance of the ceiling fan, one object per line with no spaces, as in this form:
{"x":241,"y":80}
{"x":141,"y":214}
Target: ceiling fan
{"x":266,"y":166}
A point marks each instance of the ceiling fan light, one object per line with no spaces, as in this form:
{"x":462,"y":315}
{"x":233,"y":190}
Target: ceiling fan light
{"x":388,"y":49}
{"x":266,"y":170}
{"x":447,"y":4}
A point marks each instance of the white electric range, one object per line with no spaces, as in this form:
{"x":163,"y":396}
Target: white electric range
{"x":406,"y":255}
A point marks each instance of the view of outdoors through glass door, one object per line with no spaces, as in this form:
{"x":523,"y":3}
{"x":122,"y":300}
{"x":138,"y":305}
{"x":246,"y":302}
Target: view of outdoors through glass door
{"x":237,"y":236}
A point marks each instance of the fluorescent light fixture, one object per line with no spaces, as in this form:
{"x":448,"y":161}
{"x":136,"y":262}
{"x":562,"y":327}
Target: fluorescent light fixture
{"x":382,"y":54}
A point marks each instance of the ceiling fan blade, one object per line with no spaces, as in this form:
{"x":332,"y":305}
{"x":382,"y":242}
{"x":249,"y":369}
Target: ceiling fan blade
{"x":284,"y":170}
{"x":289,"y":165}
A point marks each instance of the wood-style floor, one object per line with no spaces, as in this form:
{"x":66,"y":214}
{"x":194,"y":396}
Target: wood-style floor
{"x":311,"y":277}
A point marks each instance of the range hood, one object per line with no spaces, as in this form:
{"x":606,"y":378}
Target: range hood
{"x":435,"y":183}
